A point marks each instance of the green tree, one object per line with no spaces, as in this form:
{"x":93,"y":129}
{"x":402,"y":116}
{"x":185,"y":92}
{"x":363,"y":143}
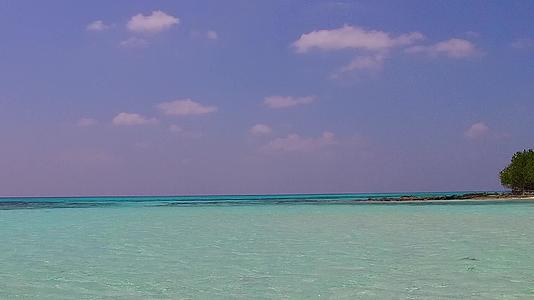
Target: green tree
{"x":519,"y":174}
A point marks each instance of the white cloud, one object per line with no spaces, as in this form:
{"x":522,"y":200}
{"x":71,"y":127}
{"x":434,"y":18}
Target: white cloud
{"x":369,"y":63}
{"x":157,"y":21}
{"x":260,"y":129}
{"x":97,"y":25}
{"x":296,"y":143}
{"x":212,"y":35}
{"x":353,"y":37}
{"x":454,"y":48}
{"x":477,"y":131}
{"x":86,"y":122}
{"x":524,"y":43}
{"x":372,"y":46}
{"x":287,"y":101}
{"x":130,"y":119}
{"x":183,"y":107}
{"x":133,"y":42}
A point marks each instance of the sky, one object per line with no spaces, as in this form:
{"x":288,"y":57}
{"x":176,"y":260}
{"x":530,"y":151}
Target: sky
{"x":255,"y":97}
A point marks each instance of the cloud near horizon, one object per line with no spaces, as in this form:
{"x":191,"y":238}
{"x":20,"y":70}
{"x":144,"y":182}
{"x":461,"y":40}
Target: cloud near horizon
{"x":260,"y":129}
{"x":353,"y":37}
{"x":477,"y":131}
{"x":371,"y":63}
{"x":86,"y":122}
{"x":133,"y":42}
{"x":132,"y":119}
{"x":374,"y":47}
{"x":157,"y":21}
{"x":175,"y":128}
{"x":97,"y":25}
{"x":184,"y":107}
{"x":453,"y":48}
{"x":296,"y":143}
{"x":212,"y":35}
{"x":276,"y":102}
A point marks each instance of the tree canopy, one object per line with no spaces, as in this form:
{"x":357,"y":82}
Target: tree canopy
{"x":519,"y":174}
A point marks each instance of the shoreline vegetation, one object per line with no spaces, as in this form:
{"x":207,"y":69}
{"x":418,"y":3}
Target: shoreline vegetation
{"x":466,"y":196}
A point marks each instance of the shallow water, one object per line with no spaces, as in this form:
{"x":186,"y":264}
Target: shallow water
{"x":100,"y":248}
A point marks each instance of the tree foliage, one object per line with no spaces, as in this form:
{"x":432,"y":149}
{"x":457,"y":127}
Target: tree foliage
{"x":519,"y":174}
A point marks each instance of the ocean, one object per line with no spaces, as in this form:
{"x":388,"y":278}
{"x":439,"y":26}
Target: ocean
{"x":265,"y":247}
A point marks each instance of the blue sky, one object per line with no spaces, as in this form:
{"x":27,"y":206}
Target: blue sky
{"x":231,"y":97}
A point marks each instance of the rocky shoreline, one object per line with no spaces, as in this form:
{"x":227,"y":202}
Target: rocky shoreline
{"x":467,"y":196}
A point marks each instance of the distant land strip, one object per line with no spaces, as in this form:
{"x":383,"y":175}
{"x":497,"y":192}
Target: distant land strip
{"x":467,"y":196}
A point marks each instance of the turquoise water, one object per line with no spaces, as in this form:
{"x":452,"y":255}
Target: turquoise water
{"x":282,"y":247}
{"x":221,"y":200}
